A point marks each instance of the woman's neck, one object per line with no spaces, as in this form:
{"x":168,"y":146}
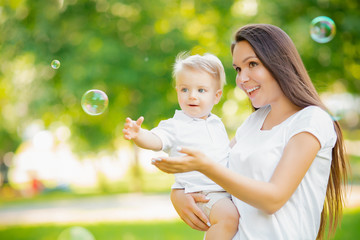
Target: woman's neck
{"x":279,"y":112}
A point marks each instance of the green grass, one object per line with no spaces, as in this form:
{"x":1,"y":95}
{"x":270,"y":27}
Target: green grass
{"x":158,"y":230}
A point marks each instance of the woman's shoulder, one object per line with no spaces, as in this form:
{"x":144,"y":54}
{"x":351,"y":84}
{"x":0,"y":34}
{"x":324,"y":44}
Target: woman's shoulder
{"x":315,"y":113}
{"x":317,"y":121}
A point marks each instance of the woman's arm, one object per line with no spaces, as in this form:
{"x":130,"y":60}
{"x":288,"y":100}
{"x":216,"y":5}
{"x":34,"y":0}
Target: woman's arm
{"x":270,"y":196}
{"x":189,"y":212}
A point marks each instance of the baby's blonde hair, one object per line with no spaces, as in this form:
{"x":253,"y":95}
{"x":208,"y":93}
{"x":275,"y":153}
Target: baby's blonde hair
{"x":208,"y":63}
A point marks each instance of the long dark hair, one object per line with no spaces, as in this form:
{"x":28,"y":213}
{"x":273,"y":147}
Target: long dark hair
{"x":279,"y":55}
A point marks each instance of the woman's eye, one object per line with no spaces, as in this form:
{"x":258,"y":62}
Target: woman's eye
{"x":201,"y":90}
{"x":253,"y":64}
{"x":237,"y":69}
{"x":184,"y":90}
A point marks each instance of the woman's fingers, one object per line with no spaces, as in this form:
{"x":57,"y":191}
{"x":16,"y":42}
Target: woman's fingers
{"x":186,"y":163}
{"x":194,"y":217}
{"x":195,"y":222}
{"x":186,"y":207}
{"x":202,"y":217}
{"x":165,"y":168}
{"x":186,"y":150}
{"x":170,"y":165}
{"x":198,"y":197}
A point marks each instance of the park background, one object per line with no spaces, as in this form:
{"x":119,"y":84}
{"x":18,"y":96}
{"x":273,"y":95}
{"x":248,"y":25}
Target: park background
{"x":51,"y":150}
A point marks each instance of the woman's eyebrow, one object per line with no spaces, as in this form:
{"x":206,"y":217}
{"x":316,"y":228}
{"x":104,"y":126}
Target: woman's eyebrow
{"x":249,"y":58}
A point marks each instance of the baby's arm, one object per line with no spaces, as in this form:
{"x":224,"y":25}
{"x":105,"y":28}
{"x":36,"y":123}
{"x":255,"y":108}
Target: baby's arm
{"x":142,"y":138}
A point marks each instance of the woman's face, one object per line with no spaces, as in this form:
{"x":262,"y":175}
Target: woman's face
{"x":253,"y":78}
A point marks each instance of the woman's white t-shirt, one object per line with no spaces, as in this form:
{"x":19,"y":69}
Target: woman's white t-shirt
{"x":257,"y":153}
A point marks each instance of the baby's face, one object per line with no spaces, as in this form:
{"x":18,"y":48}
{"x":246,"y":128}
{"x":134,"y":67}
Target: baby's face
{"x":197,"y":92}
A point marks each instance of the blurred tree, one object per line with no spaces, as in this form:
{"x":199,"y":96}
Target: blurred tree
{"x":126,"y":48}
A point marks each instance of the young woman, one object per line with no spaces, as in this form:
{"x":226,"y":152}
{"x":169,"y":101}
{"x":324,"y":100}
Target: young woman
{"x":287,"y":164}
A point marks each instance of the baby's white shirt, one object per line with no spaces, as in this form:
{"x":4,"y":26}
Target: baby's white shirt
{"x":207,"y":135}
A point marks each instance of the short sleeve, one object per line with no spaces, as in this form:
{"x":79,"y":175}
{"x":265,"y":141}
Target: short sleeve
{"x":166,"y":132}
{"x":316,"y":121}
{"x":177,"y":185}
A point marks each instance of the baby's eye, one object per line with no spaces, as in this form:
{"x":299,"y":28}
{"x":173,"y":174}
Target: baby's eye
{"x":184,"y":89}
{"x":201,"y":90}
{"x":253,"y":64}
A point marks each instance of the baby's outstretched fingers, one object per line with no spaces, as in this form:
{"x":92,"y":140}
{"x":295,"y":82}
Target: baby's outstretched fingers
{"x":140,"y":121}
{"x":126,"y":134}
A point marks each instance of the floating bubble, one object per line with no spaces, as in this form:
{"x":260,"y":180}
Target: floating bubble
{"x":322,"y":29}
{"x":94,"y":102}
{"x":55,"y":64}
{"x":76,"y":233}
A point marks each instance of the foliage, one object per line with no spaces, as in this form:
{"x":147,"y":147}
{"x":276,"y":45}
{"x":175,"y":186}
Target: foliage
{"x":127,"y":48}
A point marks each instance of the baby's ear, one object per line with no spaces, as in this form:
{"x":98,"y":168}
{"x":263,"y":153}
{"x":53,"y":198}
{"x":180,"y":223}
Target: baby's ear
{"x":218,"y":95}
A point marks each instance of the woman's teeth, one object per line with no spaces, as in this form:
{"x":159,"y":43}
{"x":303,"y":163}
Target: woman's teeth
{"x":252,"y":89}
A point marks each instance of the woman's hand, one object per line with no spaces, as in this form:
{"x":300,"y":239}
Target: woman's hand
{"x":189,"y":212}
{"x":193,"y":161}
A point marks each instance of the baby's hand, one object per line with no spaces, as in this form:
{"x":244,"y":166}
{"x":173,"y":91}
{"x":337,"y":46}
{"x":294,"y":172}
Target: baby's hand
{"x":132,"y":128}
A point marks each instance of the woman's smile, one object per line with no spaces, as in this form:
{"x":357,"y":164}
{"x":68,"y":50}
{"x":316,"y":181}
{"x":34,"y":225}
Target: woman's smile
{"x":252,"y":91}
{"x":254,"y":78}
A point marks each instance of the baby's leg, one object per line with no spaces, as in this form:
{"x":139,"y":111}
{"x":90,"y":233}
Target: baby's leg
{"x":224,"y":219}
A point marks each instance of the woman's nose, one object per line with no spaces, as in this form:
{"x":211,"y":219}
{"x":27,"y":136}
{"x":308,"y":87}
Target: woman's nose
{"x":242,"y":77}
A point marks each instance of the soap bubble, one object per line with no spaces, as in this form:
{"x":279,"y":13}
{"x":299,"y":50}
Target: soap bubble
{"x":94,"y":102}
{"x":322,"y":29}
{"x":76,"y":233}
{"x":55,"y":64}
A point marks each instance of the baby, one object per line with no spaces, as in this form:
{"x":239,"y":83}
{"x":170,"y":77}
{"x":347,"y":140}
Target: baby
{"x":199,"y":84}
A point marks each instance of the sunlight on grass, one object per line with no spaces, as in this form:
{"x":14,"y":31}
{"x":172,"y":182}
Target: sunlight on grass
{"x":170,"y":230}
{"x":156,"y":230}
